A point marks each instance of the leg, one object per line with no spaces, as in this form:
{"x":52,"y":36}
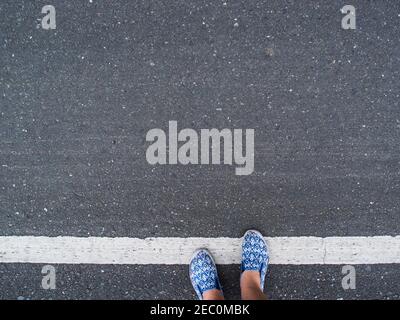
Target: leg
{"x":204,"y":276}
{"x":250,"y":286}
{"x":213,"y":294}
{"x":254,"y":266}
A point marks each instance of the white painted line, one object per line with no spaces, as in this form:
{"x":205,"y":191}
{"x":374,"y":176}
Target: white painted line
{"x":283,"y":250}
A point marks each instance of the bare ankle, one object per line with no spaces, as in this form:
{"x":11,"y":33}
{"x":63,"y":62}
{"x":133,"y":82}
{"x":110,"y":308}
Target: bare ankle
{"x":250,"y":278}
{"x":213,"y":294}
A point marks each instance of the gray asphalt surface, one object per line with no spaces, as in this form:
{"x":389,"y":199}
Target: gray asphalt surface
{"x":23,"y":281}
{"x":76,"y":104}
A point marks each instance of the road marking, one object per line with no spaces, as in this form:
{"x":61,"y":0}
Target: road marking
{"x":283,"y":250}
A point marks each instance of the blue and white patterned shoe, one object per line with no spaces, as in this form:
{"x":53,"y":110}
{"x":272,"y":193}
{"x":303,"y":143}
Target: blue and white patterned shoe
{"x":203,"y":273}
{"x":255,"y":254}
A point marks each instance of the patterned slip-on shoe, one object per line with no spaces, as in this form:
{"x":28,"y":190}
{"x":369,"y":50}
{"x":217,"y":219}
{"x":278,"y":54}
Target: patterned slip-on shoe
{"x":203,"y":273}
{"x":255,"y":254}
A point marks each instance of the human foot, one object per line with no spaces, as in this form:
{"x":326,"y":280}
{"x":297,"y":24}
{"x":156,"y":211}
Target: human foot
{"x":255,"y":259}
{"x":204,"y":276}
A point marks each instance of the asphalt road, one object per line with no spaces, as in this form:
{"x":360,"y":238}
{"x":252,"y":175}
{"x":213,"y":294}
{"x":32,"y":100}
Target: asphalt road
{"x":76,"y":104}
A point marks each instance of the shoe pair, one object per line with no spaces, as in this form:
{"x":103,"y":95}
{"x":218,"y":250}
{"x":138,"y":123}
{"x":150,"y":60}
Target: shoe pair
{"x":203,"y":271}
